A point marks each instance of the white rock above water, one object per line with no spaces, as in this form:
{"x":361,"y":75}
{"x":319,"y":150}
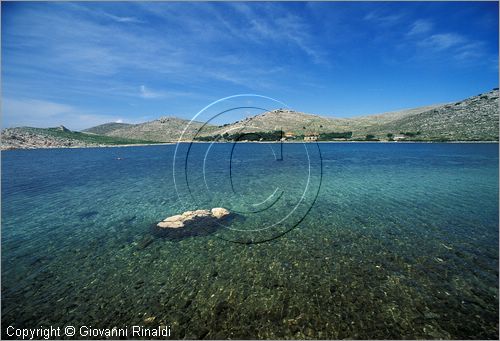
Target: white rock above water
{"x":181,"y":220}
{"x":219,"y":212}
{"x":173,"y":222}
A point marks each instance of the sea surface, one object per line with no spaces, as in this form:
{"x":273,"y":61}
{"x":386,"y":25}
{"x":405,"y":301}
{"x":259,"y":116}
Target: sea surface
{"x":330,"y":240}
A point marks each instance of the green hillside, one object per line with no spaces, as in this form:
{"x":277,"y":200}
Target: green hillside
{"x":90,"y":138}
{"x":106,"y":128}
{"x":29,"y":137}
{"x":165,"y":129}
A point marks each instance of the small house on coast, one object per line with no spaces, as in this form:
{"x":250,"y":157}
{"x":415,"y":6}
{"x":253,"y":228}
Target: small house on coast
{"x":311,"y":137}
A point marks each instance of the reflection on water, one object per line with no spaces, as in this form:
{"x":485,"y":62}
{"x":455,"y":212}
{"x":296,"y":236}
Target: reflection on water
{"x":401,"y":241}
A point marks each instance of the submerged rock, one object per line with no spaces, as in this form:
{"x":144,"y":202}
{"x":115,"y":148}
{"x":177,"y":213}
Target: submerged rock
{"x":191,"y":217}
{"x":144,"y":242}
{"x":192,"y":223}
{"x":172,"y":222}
{"x":219,"y":212}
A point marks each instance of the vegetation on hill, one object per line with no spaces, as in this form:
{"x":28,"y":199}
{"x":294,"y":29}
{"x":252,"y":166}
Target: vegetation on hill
{"x":91,"y":138}
{"x":334,"y":136}
{"x":106,"y":128}
{"x":473,"y":119}
{"x":28,"y":137}
{"x":165,"y":129}
{"x":275,"y":135}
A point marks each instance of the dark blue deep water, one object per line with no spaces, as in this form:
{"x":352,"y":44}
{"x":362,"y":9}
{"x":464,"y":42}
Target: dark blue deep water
{"x":340,"y":240}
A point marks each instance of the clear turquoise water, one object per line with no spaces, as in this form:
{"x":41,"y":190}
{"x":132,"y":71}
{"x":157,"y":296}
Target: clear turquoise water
{"x":387,"y":240}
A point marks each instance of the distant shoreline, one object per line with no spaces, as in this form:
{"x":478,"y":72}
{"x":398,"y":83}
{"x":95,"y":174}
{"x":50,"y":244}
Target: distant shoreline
{"x":2,"y":149}
{"x":312,"y":142}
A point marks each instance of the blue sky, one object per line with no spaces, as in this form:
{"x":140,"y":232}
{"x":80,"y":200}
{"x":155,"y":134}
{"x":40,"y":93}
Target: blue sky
{"x":82,"y":64}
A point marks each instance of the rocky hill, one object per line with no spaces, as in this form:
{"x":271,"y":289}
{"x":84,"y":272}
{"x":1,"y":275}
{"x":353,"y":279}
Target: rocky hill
{"x":28,"y":138}
{"x":473,"y":119}
{"x":106,"y":128}
{"x":300,"y":123}
{"x":164,"y":129}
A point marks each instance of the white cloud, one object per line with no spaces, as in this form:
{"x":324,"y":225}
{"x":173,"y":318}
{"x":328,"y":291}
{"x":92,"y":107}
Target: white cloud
{"x":104,"y":14}
{"x":41,"y":113}
{"x":147,"y":93}
{"x":420,"y":27}
{"x":383,"y":19}
{"x":124,"y":19}
{"x":90,"y":50}
{"x":442,"y":41}
{"x":450,"y":47}
{"x":35,"y":108}
{"x":470,"y":52}
{"x":281,"y":26}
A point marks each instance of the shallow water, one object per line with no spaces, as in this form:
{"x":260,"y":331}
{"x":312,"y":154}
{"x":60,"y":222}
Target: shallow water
{"x":359,"y":240}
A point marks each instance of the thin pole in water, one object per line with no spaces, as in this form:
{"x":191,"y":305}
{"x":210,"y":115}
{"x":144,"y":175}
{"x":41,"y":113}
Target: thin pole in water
{"x":281,"y":146}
